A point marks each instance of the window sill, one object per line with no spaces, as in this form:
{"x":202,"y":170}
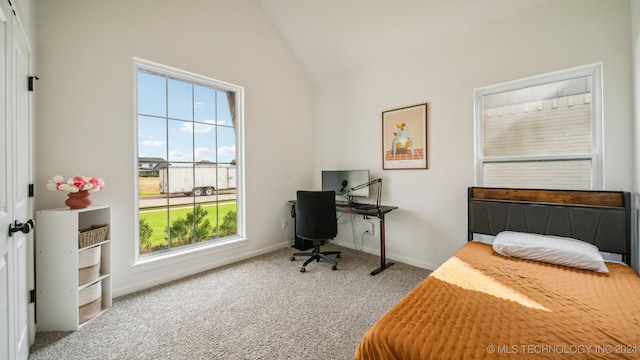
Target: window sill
{"x":153,"y":262}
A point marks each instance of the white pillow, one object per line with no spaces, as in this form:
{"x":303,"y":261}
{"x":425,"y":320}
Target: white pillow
{"x":550,"y":249}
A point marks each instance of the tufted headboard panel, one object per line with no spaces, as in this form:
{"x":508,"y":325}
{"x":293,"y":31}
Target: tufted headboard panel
{"x":602,"y":218}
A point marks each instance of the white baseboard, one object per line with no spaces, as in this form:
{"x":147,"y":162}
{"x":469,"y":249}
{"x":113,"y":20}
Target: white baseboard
{"x":165,"y":277}
{"x":390,"y":256}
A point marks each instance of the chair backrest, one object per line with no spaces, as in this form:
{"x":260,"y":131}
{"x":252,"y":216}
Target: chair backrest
{"x":316,"y":215}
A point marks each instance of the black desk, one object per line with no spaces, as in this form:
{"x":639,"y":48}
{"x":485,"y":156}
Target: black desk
{"x":367,"y":211}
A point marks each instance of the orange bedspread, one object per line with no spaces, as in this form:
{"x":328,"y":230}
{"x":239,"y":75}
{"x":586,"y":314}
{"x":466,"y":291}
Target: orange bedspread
{"x":481,"y":305}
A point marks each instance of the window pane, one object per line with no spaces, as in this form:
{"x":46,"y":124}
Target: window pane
{"x":180,"y":180}
{"x":223,"y":111}
{"x":205,"y":142}
{"x":204,"y":105}
{"x":152,"y":95}
{"x":180,"y":141}
{"x":562,"y":174}
{"x":560,"y":125}
{"x":556,"y":89}
{"x":181,"y":231}
{"x":226,"y":145}
{"x":153,"y":230}
{"x":152,"y":137}
{"x":180,"y":100}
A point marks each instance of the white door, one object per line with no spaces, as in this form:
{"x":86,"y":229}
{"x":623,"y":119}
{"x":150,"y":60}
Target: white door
{"x":22,"y":211}
{"x":6,"y":211}
{"x":16,"y":248}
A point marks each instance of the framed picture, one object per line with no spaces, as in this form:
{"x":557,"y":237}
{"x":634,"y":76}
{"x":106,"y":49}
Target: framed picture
{"x":404,"y":138}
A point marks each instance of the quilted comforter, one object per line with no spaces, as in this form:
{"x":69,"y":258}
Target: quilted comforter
{"x":481,"y":305}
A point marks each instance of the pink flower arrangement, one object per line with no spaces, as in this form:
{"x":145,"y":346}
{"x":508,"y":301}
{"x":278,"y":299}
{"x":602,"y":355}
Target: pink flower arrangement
{"x":75,"y":184}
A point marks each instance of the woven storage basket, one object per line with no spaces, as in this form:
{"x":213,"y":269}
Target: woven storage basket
{"x":89,"y":265}
{"x":92,"y":235}
{"x":88,"y":274}
{"x":90,"y":310}
{"x":90,"y":301}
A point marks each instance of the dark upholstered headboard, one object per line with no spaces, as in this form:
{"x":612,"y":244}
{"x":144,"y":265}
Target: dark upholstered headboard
{"x":602,"y":218}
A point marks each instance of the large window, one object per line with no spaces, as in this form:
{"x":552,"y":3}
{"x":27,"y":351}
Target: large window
{"x":188,"y":133}
{"x":541,"y":132}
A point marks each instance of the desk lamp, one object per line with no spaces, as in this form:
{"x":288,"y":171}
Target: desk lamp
{"x":376,"y":181}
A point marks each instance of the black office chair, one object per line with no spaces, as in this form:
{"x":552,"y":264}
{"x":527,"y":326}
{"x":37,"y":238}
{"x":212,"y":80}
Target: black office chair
{"x":316,"y":221}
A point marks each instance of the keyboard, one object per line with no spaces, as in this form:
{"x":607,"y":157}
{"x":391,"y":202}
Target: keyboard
{"x":354,"y":205}
{"x":364,"y":206}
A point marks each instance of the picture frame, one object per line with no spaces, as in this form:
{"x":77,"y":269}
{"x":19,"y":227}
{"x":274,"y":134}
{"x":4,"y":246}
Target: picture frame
{"x":404,"y":138}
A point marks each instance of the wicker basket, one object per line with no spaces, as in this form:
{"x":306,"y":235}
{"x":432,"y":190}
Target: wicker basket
{"x":89,"y":311}
{"x":89,"y":265}
{"x":88,"y":274}
{"x":90,"y":302}
{"x":92,"y":235}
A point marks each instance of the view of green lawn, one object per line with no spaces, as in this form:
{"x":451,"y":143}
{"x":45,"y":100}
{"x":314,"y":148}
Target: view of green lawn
{"x":157,"y":219}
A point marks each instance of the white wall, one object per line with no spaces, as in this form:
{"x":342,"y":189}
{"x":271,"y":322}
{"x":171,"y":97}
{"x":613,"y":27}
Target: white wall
{"x":431,"y":222}
{"x":85,"y":106}
{"x":85,"y":111}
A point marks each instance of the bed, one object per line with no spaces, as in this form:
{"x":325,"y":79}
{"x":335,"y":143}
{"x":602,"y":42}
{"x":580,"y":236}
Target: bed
{"x":483,"y":305}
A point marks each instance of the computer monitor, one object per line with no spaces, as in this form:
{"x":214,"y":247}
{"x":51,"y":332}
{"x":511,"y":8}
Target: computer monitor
{"x":341,"y":181}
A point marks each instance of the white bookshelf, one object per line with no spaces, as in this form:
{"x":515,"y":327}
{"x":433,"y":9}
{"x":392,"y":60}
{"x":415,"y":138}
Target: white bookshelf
{"x":57,"y":289}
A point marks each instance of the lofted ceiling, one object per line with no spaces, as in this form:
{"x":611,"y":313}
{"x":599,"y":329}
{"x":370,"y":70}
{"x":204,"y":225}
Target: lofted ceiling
{"x":334,"y":37}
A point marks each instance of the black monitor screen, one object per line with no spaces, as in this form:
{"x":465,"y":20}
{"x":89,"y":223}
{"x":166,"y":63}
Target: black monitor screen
{"x":343,"y":181}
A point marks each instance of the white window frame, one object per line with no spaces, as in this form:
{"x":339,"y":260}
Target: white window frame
{"x":593,"y":70}
{"x":233,"y":241}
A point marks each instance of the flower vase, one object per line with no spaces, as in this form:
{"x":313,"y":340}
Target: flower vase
{"x":78,"y":200}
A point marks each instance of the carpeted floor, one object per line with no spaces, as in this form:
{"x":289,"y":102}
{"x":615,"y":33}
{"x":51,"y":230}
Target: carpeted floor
{"x":261,"y":308}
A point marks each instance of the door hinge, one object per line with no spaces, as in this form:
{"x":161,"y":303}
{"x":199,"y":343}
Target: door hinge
{"x":30,"y":87}
{"x":32,"y":296}
{"x":31,"y":190}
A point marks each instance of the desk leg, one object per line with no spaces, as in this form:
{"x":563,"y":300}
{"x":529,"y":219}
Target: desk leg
{"x":383,"y":263}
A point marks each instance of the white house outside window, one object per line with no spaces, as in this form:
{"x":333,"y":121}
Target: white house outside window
{"x":190,"y":125}
{"x":541,"y":132}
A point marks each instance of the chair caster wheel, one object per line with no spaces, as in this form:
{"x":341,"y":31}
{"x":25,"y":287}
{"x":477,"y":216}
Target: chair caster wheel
{"x":338,"y":256}
{"x":334,"y":267}
{"x":292,"y":258}
{"x":303,"y":269}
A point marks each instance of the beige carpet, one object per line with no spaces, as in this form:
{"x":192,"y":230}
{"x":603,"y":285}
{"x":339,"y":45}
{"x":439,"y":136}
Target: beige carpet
{"x":261,"y":308}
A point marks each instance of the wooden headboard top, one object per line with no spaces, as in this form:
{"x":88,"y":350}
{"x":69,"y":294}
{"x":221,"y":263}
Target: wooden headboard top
{"x":568,"y":197}
{"x":602,"y":218}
